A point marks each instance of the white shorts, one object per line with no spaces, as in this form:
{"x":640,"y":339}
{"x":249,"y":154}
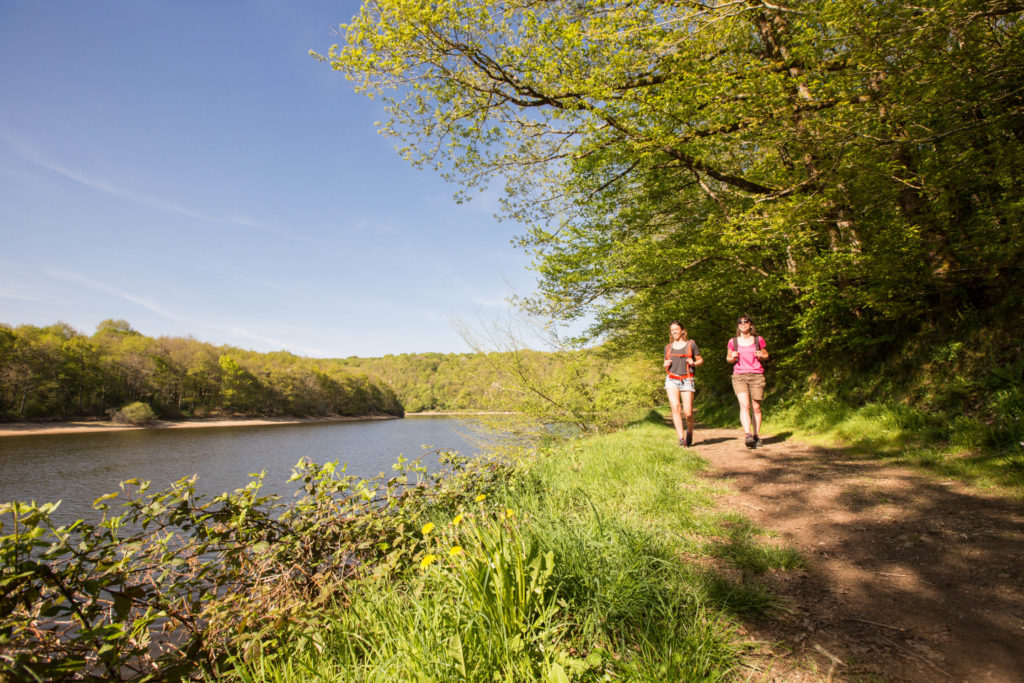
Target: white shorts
{"x":680,"y":384}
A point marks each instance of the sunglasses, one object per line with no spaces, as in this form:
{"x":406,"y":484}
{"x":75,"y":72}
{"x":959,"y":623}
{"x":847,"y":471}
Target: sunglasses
{"x":742,"y":321}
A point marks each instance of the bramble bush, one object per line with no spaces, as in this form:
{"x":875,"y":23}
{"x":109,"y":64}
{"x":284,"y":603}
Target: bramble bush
{"x":171,"y":585}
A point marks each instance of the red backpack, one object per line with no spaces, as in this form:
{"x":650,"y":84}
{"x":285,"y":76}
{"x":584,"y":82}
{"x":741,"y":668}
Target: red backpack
{"x":688,"y":356}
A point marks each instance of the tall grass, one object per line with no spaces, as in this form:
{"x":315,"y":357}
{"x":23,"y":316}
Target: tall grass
{"x":590,"y":564}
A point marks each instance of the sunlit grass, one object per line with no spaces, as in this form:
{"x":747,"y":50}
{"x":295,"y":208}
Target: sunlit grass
{"x":591,"y":565}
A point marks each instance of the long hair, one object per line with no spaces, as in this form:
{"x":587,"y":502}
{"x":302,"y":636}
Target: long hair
{"x":686,"y":337}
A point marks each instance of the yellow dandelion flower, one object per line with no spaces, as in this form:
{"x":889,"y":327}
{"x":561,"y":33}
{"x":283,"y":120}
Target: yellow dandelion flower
{"x":456,"y":550}
{"x":427,"y":528}
{"x":509,"y":512}
{"x":458,"y":520}
{"x":480,"y":497}
{"x":427,"y":561}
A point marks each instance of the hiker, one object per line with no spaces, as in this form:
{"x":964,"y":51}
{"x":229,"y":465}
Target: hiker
{"x":681,"y":357}
{"x":747,"y":350}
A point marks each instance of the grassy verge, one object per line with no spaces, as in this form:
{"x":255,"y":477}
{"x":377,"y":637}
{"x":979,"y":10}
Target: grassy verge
{"x":964,"y":448}
{"x":598,"y":559}
{"x":934,"y":433}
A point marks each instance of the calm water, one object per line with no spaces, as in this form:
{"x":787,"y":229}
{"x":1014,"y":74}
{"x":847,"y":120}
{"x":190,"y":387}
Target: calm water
{"x":78,"y":468}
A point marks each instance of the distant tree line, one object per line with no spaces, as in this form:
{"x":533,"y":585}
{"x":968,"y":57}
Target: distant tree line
{"x":56,"y":371}
{"x":441,"y":381}
{"x":584,"y":387}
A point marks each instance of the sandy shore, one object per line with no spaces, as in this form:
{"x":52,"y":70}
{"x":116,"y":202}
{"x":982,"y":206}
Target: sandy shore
{"x":71,"y":427}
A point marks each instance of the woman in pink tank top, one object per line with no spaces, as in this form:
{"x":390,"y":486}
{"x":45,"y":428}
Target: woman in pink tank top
{"x":746,"y":350}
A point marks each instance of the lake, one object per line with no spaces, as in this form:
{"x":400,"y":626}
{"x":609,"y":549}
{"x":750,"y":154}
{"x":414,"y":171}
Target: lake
{"x":78,"y":468}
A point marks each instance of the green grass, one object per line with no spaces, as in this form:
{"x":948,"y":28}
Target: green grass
{"x":960,"y":447}
{"x":596,"y":562}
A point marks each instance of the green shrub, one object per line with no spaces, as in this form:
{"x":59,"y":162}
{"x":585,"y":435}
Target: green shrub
{"x":137,"y":413}
{"x":125,"y":599}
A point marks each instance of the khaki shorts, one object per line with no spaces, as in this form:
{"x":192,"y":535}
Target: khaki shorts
{"x":750,"y":383}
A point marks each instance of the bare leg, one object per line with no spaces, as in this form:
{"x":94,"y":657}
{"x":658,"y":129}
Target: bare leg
{"x":677,"y":410}
{"x":744,"y":399}
{"x":687,"y":400}
{"x":757,"y":416}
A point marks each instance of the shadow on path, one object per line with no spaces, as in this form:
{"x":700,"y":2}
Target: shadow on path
{"x":910,"y":577}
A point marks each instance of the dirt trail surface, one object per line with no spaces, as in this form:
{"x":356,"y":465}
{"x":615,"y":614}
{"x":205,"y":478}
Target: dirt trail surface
{"x":909,"y":577}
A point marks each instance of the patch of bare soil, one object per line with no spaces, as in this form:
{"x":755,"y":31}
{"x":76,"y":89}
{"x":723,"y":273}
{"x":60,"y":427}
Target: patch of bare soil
{"x":909,"y":577}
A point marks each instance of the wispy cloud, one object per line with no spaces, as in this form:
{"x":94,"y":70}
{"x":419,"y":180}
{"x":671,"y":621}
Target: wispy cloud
{"x":80,"y":280}
{"x":235,"y":331}
{"x":101,"y":185}
{"x":32,"y":298}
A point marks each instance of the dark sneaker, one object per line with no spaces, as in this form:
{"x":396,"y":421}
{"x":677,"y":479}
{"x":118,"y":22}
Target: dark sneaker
{"x":749,"y":441}
{"x":689,"y":439}
{"x":757,"y":442}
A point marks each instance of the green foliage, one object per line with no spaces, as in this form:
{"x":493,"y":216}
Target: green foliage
{"x":56,"y":372}
{"x":572,"y":567}
{"x":174,"y":584}
{"x":586,"y":388}
{"x":986,"y":448}
{"x":846,"y":172}
{"x":567,"y":565}
{"x":137,"y":413}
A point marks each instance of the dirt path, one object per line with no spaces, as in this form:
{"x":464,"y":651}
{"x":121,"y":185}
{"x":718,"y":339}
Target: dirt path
{"x":909,"y":578}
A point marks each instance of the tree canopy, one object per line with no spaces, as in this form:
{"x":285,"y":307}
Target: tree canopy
{"x":55,"y":371}
{"x":848,"y":172}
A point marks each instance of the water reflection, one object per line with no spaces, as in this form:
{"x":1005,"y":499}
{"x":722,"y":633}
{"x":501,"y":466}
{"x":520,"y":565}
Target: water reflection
{"x":77,"y":468}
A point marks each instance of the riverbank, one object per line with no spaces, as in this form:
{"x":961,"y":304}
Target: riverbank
{"x":460,"y":413}
{"x":87,"y":426}
{"x":791,"y":562}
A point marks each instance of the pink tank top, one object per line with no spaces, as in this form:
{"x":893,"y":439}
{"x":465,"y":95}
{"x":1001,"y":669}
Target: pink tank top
{"x":748,"y":362}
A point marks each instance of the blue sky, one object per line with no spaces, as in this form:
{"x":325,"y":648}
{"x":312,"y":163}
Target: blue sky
{"x":188,"y":167}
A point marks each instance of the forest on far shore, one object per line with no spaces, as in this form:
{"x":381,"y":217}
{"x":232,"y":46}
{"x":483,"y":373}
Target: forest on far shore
{"x":57,"y":372}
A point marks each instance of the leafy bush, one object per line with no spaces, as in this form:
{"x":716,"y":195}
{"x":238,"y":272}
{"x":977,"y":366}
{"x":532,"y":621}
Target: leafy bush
{"x":137,"y":413}
{"x":176,"y":585}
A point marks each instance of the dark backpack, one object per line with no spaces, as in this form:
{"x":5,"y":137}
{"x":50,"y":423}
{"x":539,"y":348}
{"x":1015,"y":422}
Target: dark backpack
{"x":690,"y":367}
{"x":757,"y":344}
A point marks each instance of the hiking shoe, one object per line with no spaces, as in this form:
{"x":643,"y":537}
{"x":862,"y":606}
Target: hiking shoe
{"x":689,"y":439}
{"x":757,"y":442}
{"x":682,"y":442}
{"x":749,"y":441}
